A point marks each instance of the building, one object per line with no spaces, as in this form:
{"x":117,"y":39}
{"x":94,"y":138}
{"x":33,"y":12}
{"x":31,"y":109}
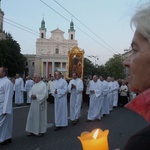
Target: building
{"x":125,"y":55}
{"x":51,"y":53}
{"x":2,"y":33}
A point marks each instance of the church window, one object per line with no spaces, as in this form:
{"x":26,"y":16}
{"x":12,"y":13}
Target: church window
{"x":71,"y":36}
{"x":32,"y":63}
{"x":42,"y":35}
{"x":56,"y":51}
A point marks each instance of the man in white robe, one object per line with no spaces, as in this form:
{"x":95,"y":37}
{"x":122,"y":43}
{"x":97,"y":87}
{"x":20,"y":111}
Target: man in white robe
{"x":49,"y":85}
{"x":110,"y":93}
{"x":59,"y":91}
{"x":75,"y":88}
{"x":37,"y":116}
{"x":6,"y":116}
{"x":19,"y":89}
{"x":95,"y":106}
{"x":115,"y":90}
{"x":104,"y":96}
{"x":28,"y":85}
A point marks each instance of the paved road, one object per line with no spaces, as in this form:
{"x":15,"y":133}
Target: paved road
{"x":121,"y":122}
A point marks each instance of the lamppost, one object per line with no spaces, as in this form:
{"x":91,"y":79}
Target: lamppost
{"x":95,"y":58}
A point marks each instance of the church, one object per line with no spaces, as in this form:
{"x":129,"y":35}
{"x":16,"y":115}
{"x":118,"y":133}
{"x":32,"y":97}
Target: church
{"x":51,"y":53}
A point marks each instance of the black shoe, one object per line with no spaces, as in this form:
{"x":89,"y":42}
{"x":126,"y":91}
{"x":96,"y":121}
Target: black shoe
{"x":77,"y":120}
{"x":57,"y":128}
{"x":74,"y":122}
{"x":29,"y":134}
{"x":89,"y":120}
{"x":6,"y":142}
{"x":40,"y":134}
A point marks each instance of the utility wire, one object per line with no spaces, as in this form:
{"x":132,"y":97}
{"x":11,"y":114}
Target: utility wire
{"x":17,"y":25}
{"x":77,"y":27}
{"x":21,"y":28}
{"x":85,"y":25}
{"x":20,"y":25}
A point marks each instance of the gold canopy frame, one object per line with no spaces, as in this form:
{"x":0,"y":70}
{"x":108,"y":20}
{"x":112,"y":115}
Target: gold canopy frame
{"x":75,"y":62}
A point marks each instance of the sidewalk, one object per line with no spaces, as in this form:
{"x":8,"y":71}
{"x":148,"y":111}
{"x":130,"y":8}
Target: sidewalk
{"x":121,"y":123}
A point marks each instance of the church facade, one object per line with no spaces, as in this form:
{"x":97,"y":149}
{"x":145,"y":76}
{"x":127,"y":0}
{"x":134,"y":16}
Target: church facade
{"x":2,"y":33}
{"x":51,"y":53}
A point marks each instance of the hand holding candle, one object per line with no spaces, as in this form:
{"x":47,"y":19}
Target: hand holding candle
{"x":95,"y":140}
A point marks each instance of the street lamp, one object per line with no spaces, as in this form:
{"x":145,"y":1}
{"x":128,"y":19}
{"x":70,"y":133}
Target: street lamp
{"x":95,"y":58}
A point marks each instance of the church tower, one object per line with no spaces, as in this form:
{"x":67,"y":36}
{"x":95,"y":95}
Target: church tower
{"x":1,"y":18}
{"x":2,"y":34}
{"x":71,"y":31}
{"x":42,"y":29}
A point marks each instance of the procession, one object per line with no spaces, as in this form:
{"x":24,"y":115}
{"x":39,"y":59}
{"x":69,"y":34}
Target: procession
{"x":100,"y":96}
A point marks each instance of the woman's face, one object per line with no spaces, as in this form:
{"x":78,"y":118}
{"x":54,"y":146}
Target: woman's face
{"x":138,"y":64}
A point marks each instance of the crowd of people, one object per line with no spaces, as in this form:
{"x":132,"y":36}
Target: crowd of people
{"x":101,"y":97}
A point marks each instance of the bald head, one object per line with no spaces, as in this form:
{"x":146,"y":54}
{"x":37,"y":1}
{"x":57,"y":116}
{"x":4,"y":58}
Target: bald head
{"x":37,"y":78}
{"x":3,"y":72}
{"x":95,"y":77}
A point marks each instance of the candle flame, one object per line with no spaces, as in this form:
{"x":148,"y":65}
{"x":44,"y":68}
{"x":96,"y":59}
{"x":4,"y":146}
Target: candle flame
{"x":95,"y":134}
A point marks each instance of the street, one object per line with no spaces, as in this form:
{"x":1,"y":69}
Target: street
{"x":121,"y":123}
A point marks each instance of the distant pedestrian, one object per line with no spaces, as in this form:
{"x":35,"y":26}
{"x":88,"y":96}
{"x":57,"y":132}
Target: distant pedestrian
{"x":123,"y":94}
{"x":37,"y":116}
{"x":6,"y":116}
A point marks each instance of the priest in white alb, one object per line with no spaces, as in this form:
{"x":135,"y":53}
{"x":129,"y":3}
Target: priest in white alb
{"x":95,"y":106}
{"x":6,"y":116}
{"x":28,"y":85}
{"x":19,"y":90}
{"x":75,"y":88}
{"x":37,"y":116}
{"x":104,"y":96}
{"x":59,"y":91}
{"x":115,"y":90}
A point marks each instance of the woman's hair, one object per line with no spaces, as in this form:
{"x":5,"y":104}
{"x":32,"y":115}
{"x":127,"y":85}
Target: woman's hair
{"x":141,"y":20}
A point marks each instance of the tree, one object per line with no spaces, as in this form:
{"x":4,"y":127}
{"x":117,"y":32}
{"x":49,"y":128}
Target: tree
{"x":114,"y":67}
{"x":11,"y":57}
{"x":101,"y":70}
{"x":89,"y":68}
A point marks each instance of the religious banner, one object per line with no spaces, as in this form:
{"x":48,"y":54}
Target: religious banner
{"x":75,"y":62}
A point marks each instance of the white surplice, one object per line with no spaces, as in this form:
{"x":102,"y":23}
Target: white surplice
{"x":110,"y":95}
{"x":105,"y":105}
{"x":28,"y":85}
{"x":19,"y":88}
{"x":115,"y":90}
{"x":37,"y":116}
{"x":75,"y":98}
{"x":95,"y":106}
{"x":60,"y":102}
{"x":6,"y":121}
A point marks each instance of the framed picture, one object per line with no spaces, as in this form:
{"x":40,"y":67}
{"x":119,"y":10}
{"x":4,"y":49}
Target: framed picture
{"x":75,"y":62}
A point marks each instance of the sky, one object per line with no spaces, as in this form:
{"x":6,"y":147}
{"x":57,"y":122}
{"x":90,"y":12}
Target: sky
{"x":102,"y":27}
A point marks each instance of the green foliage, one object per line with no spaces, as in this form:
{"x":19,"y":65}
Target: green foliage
{"x":88,"y":67}
{"x":114,"y":67}
{"x":11,"y":57}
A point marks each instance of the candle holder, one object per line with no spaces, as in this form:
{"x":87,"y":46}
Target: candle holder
{"x":94,"y":140}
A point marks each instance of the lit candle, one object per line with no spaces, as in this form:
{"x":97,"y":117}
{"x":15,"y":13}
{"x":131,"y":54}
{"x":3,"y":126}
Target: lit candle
{"x":95,"y":140}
